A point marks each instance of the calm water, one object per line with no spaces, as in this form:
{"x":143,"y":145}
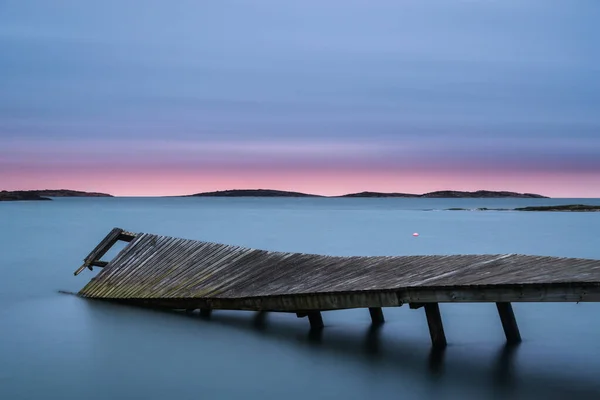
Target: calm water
{"x":62,"y":347}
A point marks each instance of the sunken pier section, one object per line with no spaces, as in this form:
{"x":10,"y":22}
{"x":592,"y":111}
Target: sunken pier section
{"x":166,"y":272}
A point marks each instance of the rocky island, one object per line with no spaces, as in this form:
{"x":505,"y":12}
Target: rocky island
{"x":566,"y":207}
{"x":68,"y":193}
{"x":20,"y":196}
{"x":45,"y":194}
{"x":560,"y":208}
{"x":252,"y":193}
{"x":481,"y":194}
{"x":379,"y":194}
{"x":438,"y":194}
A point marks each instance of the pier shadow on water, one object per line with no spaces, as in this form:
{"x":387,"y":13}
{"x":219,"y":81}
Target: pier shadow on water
{"x":500,"y":378}
{"x":458,"y":365}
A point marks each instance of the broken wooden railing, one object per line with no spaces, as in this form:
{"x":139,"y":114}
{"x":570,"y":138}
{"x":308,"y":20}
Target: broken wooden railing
{"x":167,"y":272}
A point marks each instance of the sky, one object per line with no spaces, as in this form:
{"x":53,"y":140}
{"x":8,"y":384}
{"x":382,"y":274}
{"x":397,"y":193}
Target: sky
{"x":139,"y":98}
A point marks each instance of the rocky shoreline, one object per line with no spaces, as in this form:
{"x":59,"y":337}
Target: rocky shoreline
{"x":566,"y":207}
{"x":558,"y":208}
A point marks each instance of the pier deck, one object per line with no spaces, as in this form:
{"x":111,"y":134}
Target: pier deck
{"x":167,"y":272}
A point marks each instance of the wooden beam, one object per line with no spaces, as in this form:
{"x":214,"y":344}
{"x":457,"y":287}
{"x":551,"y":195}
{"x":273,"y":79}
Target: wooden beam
{"x":572,"y":292}
{"x":415,"y":306}
{"x":341,"y":301}
{"x":376,"y":315}
{"x":100,"y":250}
{"x":78,"y":271}
{"x":127,"y":236}
{"x":315,"y":319}
{"x":436,"y":328}
{"x":100,"y":264}
{"x":104,"y":245}
{"x":509,"y":322}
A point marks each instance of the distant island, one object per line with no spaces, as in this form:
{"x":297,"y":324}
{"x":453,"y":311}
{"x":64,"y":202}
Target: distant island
{"x":438,"y":194}
{"x":563,"y":208}
{"x":481,"y":194}
{"x":68,"y":193}
{"x":567,"y":207}
{"x":45,"y":194}
{"x":20,"y":195}
{"x":252,"y":193}
{"x":379,"y":194}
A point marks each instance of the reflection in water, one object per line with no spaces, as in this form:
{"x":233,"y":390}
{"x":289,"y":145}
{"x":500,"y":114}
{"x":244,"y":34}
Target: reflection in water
{"x":499,"y":379}
{"x":260,"y":320}
{"x":435,"y":361}
{"x":372,"y":340}
{"x":314,"y":336}
{"x":504,"y":376}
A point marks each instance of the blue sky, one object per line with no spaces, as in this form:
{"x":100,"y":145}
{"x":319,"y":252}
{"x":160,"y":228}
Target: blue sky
{"x":456,"y":93}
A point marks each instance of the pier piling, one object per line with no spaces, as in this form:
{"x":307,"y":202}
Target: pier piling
{"x":315,"y":319}
{"x":376,"y":315}
{"x":436,"y":328}
{"x":509,"y":322}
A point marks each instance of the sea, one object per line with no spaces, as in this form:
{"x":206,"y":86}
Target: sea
{"x":59,"y":346}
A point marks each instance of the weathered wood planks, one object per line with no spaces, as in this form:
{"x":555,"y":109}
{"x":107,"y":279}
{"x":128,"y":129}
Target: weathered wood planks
{"x":179,"y":270}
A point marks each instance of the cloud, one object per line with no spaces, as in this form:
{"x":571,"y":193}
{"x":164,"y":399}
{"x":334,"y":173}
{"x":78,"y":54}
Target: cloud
{"x":343,"y":85}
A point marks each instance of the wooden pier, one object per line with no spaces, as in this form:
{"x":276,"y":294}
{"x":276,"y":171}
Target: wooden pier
{"x":166,"y":272}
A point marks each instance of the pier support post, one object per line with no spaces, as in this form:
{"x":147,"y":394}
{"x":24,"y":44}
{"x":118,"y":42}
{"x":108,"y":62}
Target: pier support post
{"x":260,"y":319}
{"x":315,"y":319}
{"x":509,"y":322}
{"x":376,"y":315}
{"x":205,"y":312}
{"x":436,"y":328}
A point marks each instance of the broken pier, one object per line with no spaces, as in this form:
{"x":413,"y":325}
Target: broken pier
{"x":166,"y":272}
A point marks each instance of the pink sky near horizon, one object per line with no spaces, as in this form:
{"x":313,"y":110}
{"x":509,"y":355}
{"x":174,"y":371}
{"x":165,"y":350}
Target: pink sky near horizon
{"x":157,"y":182}
{"x":171,"y":167}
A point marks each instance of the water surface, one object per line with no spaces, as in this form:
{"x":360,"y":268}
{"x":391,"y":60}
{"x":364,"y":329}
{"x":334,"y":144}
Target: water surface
{"x":60,"y":346}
